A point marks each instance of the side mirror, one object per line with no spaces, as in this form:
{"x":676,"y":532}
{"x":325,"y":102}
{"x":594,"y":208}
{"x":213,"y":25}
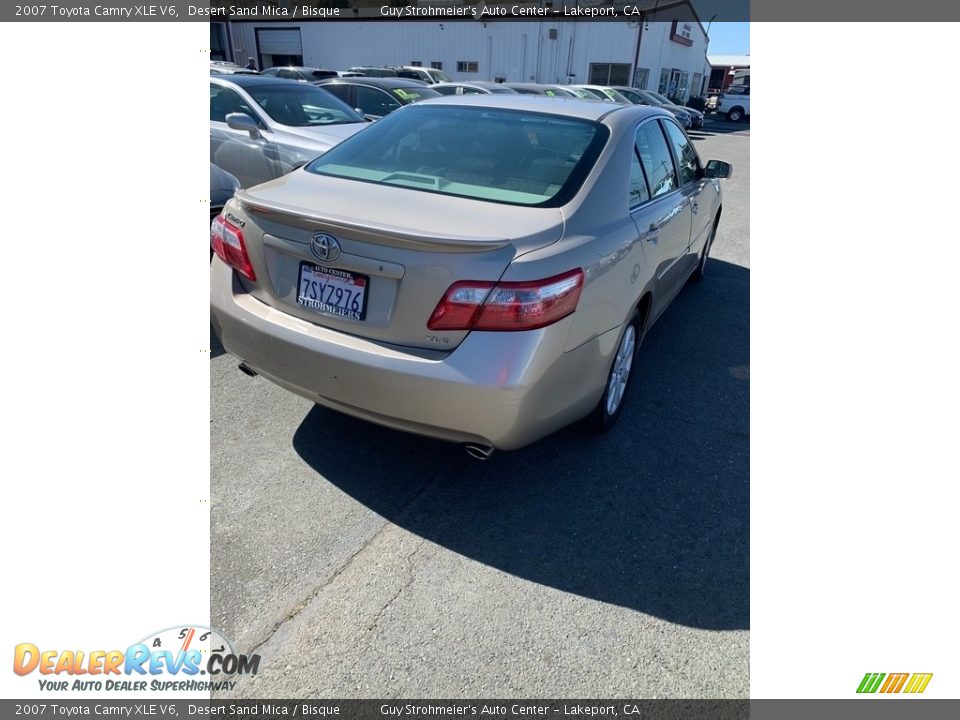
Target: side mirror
{"x":242,"y":121}
{"x":718,"y":169}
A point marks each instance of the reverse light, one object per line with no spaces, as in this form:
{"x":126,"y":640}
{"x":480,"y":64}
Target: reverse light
{"x":469,"y":305}
{"x":226,"y":239}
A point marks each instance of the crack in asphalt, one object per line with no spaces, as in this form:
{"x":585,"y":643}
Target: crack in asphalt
{"x":305,"y":601}
{"x":408,"y":559}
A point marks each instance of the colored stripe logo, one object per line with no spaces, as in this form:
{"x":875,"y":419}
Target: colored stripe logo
{"x":894,"y":683}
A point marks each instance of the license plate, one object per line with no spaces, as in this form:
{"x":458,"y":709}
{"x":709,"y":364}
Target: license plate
{"x":337,"y":292}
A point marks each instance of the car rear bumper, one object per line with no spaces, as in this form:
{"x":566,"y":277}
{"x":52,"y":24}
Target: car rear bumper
{"x":504,"y":389}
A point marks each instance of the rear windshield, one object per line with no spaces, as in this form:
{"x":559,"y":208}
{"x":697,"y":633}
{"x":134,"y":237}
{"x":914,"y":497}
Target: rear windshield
{"x":506,"y":156}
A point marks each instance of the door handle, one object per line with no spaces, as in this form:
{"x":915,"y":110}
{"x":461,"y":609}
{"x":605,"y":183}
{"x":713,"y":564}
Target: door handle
{"x":655,"y":226}
{"x":694,"y":207}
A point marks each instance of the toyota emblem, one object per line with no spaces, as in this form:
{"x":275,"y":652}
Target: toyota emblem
{"x":325,"y":247}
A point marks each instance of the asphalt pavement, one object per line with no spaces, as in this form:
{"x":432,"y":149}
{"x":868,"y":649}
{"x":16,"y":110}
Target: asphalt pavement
{"x":363,"y":562}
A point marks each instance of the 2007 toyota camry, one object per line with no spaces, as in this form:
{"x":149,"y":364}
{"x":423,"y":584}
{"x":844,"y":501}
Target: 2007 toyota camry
{"x":477,"y":269}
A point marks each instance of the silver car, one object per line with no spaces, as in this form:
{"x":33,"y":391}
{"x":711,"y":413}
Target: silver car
{"x":479,"y":269}
{"x":263,"y":127}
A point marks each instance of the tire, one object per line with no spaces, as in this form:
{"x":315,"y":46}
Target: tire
{"x":735,"y":115}
{"x":619,"y":376}
{"x":697,"y":275}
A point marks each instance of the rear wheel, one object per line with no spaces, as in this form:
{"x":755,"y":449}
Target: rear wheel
{"x":735,"y":115}
{"x":618,"y":379}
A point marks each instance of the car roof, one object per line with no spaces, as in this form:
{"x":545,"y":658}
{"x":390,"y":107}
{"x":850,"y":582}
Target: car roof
{"x":304,"y":68}
{"x":387,"y":83}
{"x":245,"y":81}
{"x":473,"y":83}
{"x":579,"y":108}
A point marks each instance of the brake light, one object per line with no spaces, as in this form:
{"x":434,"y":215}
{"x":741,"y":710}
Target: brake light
{"x":469,"y":305}
{"x":226,"y":239}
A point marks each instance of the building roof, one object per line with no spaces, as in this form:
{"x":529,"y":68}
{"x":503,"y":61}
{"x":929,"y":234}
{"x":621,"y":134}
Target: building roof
{"x":718,"y":61}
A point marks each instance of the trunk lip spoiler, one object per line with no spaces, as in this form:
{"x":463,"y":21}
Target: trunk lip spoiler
{"x":404,"y":236}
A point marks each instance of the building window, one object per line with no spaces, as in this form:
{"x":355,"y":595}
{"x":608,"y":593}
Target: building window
{"x":436,"y":65}
{"x":466,"y":66}
{"x":609,"y":74}
{"x":664,"y":81}
{"x":696,"y":88}
{"x":679,"y":89}
{"x":641,"y":77}
{"x":416,"y":63}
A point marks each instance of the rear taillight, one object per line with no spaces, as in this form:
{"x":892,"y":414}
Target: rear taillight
{"x":227,"y":242}
{"x":508,"y":305}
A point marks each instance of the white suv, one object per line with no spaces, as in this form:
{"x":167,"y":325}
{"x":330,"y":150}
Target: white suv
{"x":735,"y":103}
{"x":431,"y":76}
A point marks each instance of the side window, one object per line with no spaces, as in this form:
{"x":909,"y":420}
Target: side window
{"x":341,"y":91}
{"x":638,"y":183}
{"x":687,"y":160}
{"x":471,"y":91}
{"x":288,"y":74}
{"x":375,"y":102}
{"x":656,"y":160}
{"x":224,"y":101}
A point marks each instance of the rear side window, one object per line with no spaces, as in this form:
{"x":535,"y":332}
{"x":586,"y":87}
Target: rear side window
{"x":687,"y":160}
{"x":656,"y":159}
{"x":341,"y":91}
{"x":375,"y":102}
{"x":638,"y":183}
{"x":505,"y":156}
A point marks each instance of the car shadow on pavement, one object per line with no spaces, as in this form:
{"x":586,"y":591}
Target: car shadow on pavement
{"x":652,"y":516}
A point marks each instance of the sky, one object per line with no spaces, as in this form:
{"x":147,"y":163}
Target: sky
{"x":729,"y":38}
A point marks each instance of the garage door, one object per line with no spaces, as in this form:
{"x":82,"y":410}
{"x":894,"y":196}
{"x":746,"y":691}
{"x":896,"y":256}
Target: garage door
{"x":279,"y":41}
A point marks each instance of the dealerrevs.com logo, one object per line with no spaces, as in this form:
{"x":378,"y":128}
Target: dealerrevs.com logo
{"x":910,"y":683}
{"x":182,"y":659}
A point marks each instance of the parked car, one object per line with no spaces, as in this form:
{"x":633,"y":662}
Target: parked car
{"x":550,"y":90}
{"x":477,"y":269}
{"x":473,"y":88}
{"x":263,"y":127}
{"x":735,"y":103}
{"x":603,"y":92}
{"x":645,"y":97}
{"x":374,"y":71}
{"x":376,"y":97}
{"x":696,"y":116}
{"x":303,"y":74}
{"x":222,"y":187}
{"x":222,"y":67}
{"x":431,"y":76}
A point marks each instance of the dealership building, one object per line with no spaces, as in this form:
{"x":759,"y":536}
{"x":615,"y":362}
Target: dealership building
{"x":668,"y":56}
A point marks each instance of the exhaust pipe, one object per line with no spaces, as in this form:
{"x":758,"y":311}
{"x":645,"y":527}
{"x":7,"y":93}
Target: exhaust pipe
{"x":479,"y":452}
{"x":245,"y":369}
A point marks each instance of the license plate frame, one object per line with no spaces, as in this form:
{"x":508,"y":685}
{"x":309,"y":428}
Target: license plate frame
{"x":332,"y":279}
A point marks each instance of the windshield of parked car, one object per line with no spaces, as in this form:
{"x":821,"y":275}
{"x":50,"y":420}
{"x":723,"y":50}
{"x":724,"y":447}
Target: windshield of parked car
{"x":407,"y":95}
{"x":661,"y":99}
{"x":616,"y":96}
{"x":300,"y":105}
{"x":507,"y":156}
{"x":580,"y":93}
{"x":440,"y":76}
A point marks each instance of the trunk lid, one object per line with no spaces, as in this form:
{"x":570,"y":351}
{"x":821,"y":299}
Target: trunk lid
{"x":399,"y":250}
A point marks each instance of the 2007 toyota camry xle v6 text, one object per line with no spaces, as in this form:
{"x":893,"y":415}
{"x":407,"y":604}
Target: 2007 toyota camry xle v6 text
{"x":477,"y":269}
